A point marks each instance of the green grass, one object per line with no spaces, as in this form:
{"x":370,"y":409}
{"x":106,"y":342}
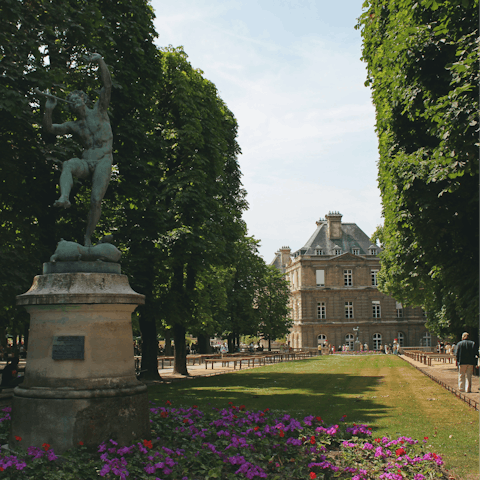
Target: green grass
{"x":383,"y":391}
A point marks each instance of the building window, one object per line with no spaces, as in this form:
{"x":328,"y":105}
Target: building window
{"x":320,"y":277}
{"x":373,"y":274}
{"x":348,"y":309}
{"x":401,"y":339}
{"x":337,"y":251}
{"x":349,"y":341}
{"x":356,"y":251}
{"x":347,"y":278}
{"x":399,"y":308}
{"x":377,"y":341}
{"x":319,"y":251}
{"x":321,"y":310}
{"x":372,"y":251}
{"x":376,"y":309}
{"x":427,"y":339}
{"x":322,"y":340}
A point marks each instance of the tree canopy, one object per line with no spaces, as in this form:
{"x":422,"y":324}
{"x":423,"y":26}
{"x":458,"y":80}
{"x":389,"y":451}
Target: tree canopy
{"x":41,"y":45}
{"x":422,"y":60}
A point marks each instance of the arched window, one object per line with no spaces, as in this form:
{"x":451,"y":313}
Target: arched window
{"x":427,"y":340}
{"x":349,"y":341}
{"x":401,"y":339}
{"x":377,"y":341}
{"x":322,"y":340}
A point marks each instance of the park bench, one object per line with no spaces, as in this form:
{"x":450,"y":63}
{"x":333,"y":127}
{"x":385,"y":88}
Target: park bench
{"x":442,"y":357}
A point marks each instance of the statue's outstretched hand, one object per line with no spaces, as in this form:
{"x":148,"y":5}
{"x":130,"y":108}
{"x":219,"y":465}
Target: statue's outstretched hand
{"x":51,"y":102}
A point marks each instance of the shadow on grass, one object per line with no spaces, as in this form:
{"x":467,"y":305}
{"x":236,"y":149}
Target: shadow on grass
{"x":329,"y":395}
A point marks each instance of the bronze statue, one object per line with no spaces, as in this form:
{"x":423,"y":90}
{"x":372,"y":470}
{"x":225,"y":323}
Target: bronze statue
{"x":92,"y":130}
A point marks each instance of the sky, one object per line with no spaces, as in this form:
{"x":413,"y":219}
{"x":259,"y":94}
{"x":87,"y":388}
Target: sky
{"x":290,"y":71}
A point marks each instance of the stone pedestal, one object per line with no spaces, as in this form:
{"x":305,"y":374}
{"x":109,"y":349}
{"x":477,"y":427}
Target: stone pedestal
{"x":80,"y":383}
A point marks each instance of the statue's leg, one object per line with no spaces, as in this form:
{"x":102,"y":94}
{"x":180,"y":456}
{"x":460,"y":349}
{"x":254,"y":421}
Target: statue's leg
{"x":73,"y":167}
{"x":100,"y":180}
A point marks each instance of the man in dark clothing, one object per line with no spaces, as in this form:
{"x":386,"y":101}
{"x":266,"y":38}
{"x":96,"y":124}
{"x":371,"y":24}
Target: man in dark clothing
{"x":9,"y":374}
{"x":466,"y":358}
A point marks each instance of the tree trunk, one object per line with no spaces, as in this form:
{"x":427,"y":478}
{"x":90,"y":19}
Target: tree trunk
{"x":3,"y":337}
{"x":269,"y":345}
{"x":149,"y":364}
{"x":168,"y":344}
{"x":203,"y":344}
{"x":231,"y":343}
{"x":180,"y":362}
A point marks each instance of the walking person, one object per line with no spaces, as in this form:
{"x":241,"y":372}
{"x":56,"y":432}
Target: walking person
{"x":466,"y":359}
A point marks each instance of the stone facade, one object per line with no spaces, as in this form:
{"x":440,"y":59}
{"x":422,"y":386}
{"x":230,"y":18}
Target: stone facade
{"x":334,"y":289}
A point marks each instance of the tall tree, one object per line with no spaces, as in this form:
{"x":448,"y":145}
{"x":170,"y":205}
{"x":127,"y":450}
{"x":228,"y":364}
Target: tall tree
{"x":422,"y":60}
{"x":272,"y":302}
{"x":201,"y":188}
{"x":247,"y":273}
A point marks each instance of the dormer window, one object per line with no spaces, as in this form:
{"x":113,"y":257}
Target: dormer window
{"x":372,"y":250}
{"x":337,"y":250}
{"x":319,"y":251}
{"x":356,"y":251}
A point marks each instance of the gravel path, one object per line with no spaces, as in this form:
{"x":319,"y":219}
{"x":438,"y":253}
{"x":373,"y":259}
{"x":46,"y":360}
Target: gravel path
{"x":448,"y":375}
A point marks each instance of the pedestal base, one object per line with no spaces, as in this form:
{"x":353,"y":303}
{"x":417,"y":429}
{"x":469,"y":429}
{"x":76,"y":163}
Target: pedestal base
{"x":93,"y":419}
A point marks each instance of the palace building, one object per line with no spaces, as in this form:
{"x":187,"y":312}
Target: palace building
{"x":333,"y":280}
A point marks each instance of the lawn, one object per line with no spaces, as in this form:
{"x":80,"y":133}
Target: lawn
{"x":382,"y":391}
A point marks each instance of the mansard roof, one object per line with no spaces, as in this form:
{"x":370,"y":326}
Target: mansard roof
{"x":277,"y":261}
{"x":352,"y":237}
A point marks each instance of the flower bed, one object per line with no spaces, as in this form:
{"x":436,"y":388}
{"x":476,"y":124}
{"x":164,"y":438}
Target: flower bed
{"x":191,"y":444}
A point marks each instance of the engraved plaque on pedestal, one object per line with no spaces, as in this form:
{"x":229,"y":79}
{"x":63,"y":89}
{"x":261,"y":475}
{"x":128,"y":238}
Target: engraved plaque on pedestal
{"x":68,"y":348}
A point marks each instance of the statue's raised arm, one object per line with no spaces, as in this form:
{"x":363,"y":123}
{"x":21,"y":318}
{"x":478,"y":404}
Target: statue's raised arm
{"x":106,"y":91}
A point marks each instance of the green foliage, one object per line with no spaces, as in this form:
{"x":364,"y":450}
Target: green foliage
{"x":247,"y":274}
{"x":272,"y":305}
{"x":42,"y":45}
{"x":422,"y":63}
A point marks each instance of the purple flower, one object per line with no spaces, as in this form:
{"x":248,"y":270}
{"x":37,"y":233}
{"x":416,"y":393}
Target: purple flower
{"x":150,"y":469}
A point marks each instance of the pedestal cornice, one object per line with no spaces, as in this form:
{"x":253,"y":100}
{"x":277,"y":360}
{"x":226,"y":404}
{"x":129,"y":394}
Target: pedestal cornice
{"x":80,"y":288}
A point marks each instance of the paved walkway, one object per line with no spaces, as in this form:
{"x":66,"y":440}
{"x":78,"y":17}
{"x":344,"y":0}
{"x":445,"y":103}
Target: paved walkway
{"x":195,"y":371}
{"x":447,"y":375}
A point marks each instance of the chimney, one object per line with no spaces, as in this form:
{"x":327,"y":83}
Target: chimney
{"x":285,"y":255}
{"x":334,"y":220}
